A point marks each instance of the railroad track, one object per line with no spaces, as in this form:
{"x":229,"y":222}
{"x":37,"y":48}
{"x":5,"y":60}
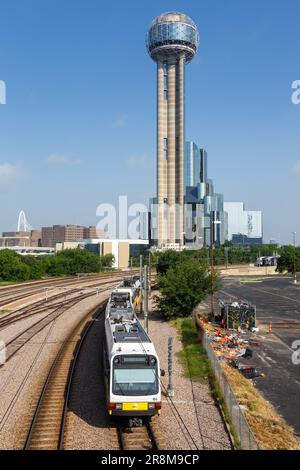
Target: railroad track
{"x":137,"y":438}
{"x":47,"y":428}
{"x":25,"y":286}
{"x":12,"y":294}
{"x":29,"y":292}
{"x":43,"y":304}
{"x":22,"y":338}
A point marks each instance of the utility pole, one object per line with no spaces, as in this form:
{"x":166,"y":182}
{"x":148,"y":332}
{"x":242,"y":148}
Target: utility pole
{"x":294,"y":240}
{"x":145,"y":297}
{"x":149,"y":274}
{"x":141,"y":284}
{"x":226,"y":256}
{"x":170,"y":367}
{"x":212,"y":247}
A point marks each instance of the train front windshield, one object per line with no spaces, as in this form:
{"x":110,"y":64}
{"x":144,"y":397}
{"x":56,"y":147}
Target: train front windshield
{"x":134,"y":376}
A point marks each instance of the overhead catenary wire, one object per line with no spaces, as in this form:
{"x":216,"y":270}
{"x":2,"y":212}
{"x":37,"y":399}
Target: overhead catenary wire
{"x":173,"y":407}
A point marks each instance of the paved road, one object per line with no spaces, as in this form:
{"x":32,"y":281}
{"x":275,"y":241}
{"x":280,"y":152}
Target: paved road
{"x":277,"y":301}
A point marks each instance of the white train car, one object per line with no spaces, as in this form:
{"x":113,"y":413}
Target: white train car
{"x":131,"y":365}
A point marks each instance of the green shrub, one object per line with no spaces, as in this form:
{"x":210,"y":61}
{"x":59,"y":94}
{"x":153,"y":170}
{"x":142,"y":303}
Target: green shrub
{"x":183,"y":287}
{"x":12,"y":267}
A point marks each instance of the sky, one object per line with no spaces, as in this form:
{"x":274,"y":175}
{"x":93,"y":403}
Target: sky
{"x":79,"y":125}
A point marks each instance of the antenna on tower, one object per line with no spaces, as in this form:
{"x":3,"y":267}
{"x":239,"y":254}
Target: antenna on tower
{"x":23,"y":224}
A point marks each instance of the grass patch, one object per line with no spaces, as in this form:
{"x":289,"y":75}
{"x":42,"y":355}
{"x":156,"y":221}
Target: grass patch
{"x":271,"y":431}
{"x":193,"y":356}
{"x":197,"y":366}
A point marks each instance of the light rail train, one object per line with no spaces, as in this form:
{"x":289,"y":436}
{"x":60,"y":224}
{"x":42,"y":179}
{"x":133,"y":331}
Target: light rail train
{"x":131,"y":365}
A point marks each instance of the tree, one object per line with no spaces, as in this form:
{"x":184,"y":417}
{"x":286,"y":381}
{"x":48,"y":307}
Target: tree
{"x":12,"y":267}
{"x":36,"y":266}
{"x":70,"y":262}
{"x":289,"y":257}
{"x":183,"y":287}
{"x":107,"y":260}
{"x":168,"y":259}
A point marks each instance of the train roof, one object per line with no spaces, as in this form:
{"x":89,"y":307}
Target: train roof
{"x":124,"y":331}
{"x":129,"y":332}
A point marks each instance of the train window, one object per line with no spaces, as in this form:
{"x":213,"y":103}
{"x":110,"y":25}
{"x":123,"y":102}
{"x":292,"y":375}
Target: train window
{"x":141,"y":381}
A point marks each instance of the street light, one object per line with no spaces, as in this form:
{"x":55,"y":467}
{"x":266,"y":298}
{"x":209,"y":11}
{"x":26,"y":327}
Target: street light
{"x":294,"y":240}
{"x":212,"y":247}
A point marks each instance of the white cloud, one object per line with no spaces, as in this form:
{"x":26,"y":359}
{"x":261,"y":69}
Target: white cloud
{"x":120,"y":121}
{"x":56,"y":159}
{"x":10,"y":174}
{"x":296,"y":168}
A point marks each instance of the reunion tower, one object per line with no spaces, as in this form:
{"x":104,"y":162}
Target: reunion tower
{"x":172,"y":41}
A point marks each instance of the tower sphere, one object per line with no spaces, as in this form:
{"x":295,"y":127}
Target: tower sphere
{"x":172,"y":33}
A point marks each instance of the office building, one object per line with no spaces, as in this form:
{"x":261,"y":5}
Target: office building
{"x":31,"y":238}
{"x":67,"y":233}
{"x":191,"y":164}
{"x":244,"y":227}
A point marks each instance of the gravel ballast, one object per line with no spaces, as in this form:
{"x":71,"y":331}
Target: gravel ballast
{"x":191,"y":421}
{"x":22,"y":377}
{"x":197,"y":423}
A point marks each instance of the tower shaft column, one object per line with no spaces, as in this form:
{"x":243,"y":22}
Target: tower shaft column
{"x":160,"y":153}
{"x":171,"y":179}
{"x":181,"y":141}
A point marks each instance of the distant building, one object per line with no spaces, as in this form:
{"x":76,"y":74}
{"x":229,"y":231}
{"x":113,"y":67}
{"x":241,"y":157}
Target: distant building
{"x":191,"y":165}
{"x":143,"y":226}
{"x":10,"y":239}
{"x":203,"y":165}
{"x":35,"y":238}
{"x":30,"y":250}
{"x":202,"y":204}
{"x":21,"y":239}
{"x":121,"y":249}
{"x":67,"y":233}
{"x":244,"y":227}
{"x":240,"y":239}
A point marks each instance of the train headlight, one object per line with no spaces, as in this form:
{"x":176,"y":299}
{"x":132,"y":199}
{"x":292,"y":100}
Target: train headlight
{"x":152,"y":361}
{"x":118,"y":406}
{"x":116,"y":361}
{"x":151,"y":406}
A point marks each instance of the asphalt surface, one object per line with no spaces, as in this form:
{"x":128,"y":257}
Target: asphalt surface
{"x":278,"y":302}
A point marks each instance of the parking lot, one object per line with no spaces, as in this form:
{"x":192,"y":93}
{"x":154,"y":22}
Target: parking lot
{"x":278,"y":307}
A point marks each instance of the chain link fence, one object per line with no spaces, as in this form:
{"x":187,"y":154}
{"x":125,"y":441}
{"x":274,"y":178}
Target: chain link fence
{"x":239,"y":421}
